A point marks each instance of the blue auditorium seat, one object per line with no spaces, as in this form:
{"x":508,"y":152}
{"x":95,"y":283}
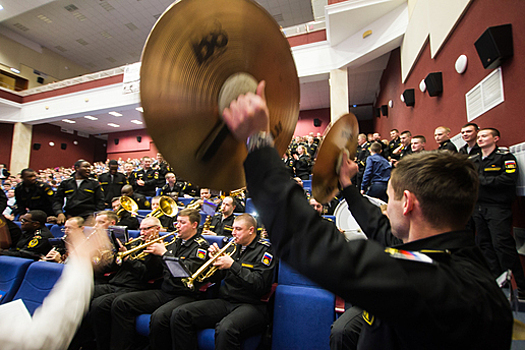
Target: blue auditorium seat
{"x":148,"y":198}
{"x":157,"y":193}
{"x":307,"y":184}
{"x":331,"y":217}
{"x":12,"y":271}
{"x":250,"y":207}
{"x":56,"y":231}
{"x":18,"y":223}
{"x":142,"y":324}
{"x":133,"y":233}
{"x":185,"y":201}
{"x":38,"y":281}
{"x":288,"y":276}
{"x":214,"y":239}
{"x":143,"y":212}
{"x":49,"y":226}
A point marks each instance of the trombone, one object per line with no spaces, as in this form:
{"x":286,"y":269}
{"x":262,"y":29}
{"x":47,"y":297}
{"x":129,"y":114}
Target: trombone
{"x":119,"y":257}
{"x":200,"y":274}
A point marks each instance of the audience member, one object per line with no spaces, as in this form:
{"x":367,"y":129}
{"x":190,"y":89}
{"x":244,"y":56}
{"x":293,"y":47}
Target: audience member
{"x":112,"y":182}
{"x":377,"y":174}
{"x":222,"y":222}
{"x":418,"y":143}
{"x":442,"y":137}
{"x":31,"y":194}
{"x":469,"y":134}
{"x":140,"y":199}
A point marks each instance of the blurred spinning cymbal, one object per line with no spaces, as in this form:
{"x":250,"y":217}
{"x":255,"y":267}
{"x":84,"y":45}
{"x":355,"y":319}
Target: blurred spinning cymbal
{"x":340,"y":136}
{"x":203,"y":51}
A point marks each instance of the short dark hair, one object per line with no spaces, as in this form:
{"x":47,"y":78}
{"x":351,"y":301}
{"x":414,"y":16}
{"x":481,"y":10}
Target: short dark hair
{"x":421,"y":137}
{"x":113,"y":162}
{"x":78,"y":220}
{"x":471,"y":124}
{"x":407,"y":133}
{"x":494,"y":131}
{"x":111,"y":215}
{"x":445,"y":184}
{"x":26,"y":170}
{"x":376,"y":147}
{"x":78,"y":163}
{"x":192,"y":214}
{"x":394,"y":130}
{"x":38,"y":215}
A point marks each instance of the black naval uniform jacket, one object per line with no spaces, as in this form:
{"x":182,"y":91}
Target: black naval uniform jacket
{"x":152,"y":179}
{"x":81,"y":201}
{"x":112,"y":188}
{"x":447,"y":145}
{"x":451,"y":302}
{"x":137,"y":273}
{"x":193,"y":253}
{"x":498,"y":174}
{"x":222,"y":227}
{"x":176,"y":190}
{"x":251,"y":275}
{"x":32,"y":245}
{"x":475,"y":150}
{"x":38,"y":197}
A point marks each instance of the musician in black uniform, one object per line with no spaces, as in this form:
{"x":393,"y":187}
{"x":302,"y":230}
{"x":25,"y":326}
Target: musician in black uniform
{"x":401,"y":289}
{"x":125,"y":218}
{"x":289,"y":163}
{"x":469,"y":134}
{"x":191,"y":249}
{"x":162,"y":166}
{"x":395,"y":142}
{"x":362,"y":153}
{"x":167,"y":222}
{"x":442,"y":137}
{"x":302,"y":163}
{"x":172,"y":188}
{"x":31,"y":194}
{"x":498,"y":175}
{"x":221,"y":223}
{"x":112,"y":182}
{"x":84,"y":195}
{"x":140,"y":199}
{"x":238,"y":313}
{"x":34,"y":242}
{"x":146,"y":180}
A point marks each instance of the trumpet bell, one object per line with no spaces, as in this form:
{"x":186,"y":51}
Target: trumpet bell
{"x":167,"y":206}
{"x":127,"y":204}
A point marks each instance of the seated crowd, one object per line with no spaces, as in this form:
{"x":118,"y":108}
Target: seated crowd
{"x":130,"y":284}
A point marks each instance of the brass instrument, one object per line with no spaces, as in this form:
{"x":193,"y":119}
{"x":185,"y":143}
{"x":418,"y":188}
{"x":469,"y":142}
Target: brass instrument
{"x":167,"y":206}
{"x":127,"y":204}
{"x":196,"y":206}
{"x":207,"y":223}
{"x":119,"y":257}
{"x":199,"y":275}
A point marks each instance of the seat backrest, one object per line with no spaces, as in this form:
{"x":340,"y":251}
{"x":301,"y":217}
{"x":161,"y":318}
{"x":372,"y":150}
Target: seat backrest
{"x":250,"y":207}
{"x":289,"y":276}
{"x":56,"y":231}
{"x":38,"y":281}
{"x":302,"y":318}
{"x":12,"y":271}
{"x":214,"y":239}
{"x":185,"y":200}
{"x":143,"y":212}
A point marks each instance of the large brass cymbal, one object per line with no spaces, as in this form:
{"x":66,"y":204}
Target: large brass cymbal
{"x":193,"y":49}
{"x":340,"y":136}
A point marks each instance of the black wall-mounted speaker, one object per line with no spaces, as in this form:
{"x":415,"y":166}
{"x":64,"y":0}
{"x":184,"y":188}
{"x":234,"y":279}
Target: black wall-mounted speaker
{"x":384,"y":110}
{"x":495,"y":45}
{"x":139,"y":138}
{"x":36,"y":146}
{"x":116,"y":141}
{"x":317,"y":122}
{"x":40,"y":80}
{"x":434,"y":83}
{"x":409,"y":97}
{"x":63,"y":145}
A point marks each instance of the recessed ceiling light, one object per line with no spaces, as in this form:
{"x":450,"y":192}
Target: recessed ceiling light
{"x":15,"y":70}
{"x":114,"y":125}
{"x":1,"y":7}
{"x":69,"y":121}
{"x":140,"y":109}
{"x":90,"y":117}
{"x":115,"y":114}
{"x":136,"y":122}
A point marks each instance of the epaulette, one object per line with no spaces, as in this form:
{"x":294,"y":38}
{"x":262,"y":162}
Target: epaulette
{"x":474,"y":156}
{"x":201,"y":241}
{"x":264,"y":242}
{"x":502,"y":151}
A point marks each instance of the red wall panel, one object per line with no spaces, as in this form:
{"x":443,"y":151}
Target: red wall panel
{"x":449,"y":109}
{"x":6,"y":138}
{"x":128,"y":145}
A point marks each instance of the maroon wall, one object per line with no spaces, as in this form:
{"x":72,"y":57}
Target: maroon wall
{"x":6,"y":138}
{"x":449,"y":109}
{"x":47,"y":156}
{"x":128,"y":145}
{"x":305,"y":124}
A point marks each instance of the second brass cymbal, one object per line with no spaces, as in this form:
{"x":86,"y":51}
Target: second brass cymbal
{"x":200,"y":52}
{"x":339,"y":136}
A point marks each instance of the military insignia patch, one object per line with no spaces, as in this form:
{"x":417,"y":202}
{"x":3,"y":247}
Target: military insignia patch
{"x":368,"y":318}
{"x":33,"y":243}
{"x":409,"y":255}
{"x":201,"y":253}
{"x":267,"y":259}
{"x":147,"y":203}
{"x":50,"y":193}
{"x":510,"y":166}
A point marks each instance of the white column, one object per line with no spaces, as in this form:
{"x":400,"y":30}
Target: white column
{"x":338,"y":93}
{"x":20,"y":147}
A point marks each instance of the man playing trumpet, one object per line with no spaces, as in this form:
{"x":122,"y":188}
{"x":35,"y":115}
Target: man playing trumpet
{"x":238,"y":313}
{"x":191,"y":249}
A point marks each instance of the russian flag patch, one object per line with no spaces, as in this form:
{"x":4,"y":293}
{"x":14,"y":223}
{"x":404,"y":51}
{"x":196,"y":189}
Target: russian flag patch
{"x":267,"y":259}
{"x":201,"y":253}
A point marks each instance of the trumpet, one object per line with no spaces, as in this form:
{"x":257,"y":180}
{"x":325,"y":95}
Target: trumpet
{"x":167,"y":206}
{"x":119,"y":257}
{"x":200,"y":274}
{"x":127,"y":204}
